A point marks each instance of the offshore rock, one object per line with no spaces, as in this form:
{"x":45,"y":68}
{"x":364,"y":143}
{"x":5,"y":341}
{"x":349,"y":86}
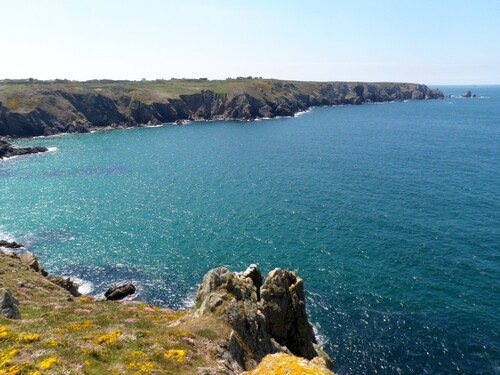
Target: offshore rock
{"x":265,"y":318}
{"x":8,"y":305}
{"x":116,"y":293}
{"x":8,"y":151}
{"x":10,"y":244}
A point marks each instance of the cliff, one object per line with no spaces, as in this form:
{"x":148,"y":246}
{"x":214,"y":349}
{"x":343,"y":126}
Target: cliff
{"x":42,"y":108}
{"x":240,"y":323}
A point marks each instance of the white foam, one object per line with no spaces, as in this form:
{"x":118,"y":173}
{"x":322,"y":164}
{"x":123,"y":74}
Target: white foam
{"x":84,"y":286}
{"x":52,"y":149}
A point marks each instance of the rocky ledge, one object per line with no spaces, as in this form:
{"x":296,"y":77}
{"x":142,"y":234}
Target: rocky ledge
{"x":7,"y":150}
{"x":240,"y":323}
{"x":41,"y":109}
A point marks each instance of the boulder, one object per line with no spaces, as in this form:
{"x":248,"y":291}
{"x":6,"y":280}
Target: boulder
{"x":115,"y":293}
{"x":8,"y":305}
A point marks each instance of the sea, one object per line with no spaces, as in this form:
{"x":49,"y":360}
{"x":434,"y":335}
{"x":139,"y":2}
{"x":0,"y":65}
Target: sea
{"x":390,"y":213}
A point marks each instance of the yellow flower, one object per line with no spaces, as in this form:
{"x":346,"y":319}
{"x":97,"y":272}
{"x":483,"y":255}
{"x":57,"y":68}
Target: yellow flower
{"x":141,"y":367}
{"x":22,"y":368}
{"x":86,"y":299}
{"x":108,"y":339}
{"x":137,"y":355}
{"x":52,"y":343}
{"x":176,"y":354}
{"x":47,"y":363}
{"x":5,"y":334}
{"x":28,"y":339}
{"x":78,"y":326}
{"x":5,"y":357}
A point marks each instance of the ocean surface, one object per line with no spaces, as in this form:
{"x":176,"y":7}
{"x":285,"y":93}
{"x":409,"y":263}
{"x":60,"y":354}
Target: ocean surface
{"x":390,"y":213}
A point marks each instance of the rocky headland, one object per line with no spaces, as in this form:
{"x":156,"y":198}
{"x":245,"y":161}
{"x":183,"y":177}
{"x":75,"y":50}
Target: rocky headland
{"x":241,"y":323}
{"x":41,"y":108}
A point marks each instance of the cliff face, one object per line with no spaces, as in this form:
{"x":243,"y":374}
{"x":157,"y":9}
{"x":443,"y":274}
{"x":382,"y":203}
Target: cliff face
{"x":50,"y":109}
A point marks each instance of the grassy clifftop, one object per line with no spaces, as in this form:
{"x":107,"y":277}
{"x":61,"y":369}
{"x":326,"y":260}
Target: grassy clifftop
{"x":61,"y":334}
{"x":237,"y":322}
{"x":34,"y":108}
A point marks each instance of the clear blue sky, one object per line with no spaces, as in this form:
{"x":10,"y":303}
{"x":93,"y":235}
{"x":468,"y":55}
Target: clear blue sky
{"x":426,"y":41}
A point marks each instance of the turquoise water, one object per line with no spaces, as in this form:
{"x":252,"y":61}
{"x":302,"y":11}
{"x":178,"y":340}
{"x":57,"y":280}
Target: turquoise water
{"x":390,"y":213}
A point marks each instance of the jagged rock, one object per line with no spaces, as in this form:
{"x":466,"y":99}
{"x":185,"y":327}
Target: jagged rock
{"x":30,"y":260}
{"x":283,"y":305}
{"x":67,"y":284}
{"x":8,"y":304}
{"x":271,"y":321}
{"x":7,"y":151}
{"x":8,"y":244}
{"x":467,"y":94}
{"x":115,"y":293}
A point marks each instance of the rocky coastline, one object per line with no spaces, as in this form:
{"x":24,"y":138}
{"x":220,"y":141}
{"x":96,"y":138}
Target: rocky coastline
{"x":241,"y":323}
{"x":29,"y":110}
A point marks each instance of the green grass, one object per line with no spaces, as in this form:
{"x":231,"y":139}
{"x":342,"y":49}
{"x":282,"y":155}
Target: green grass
{"x":84,"y":336}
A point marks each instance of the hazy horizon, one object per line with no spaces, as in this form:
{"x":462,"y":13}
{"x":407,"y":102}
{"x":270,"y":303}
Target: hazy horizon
{"x":435,"y":43}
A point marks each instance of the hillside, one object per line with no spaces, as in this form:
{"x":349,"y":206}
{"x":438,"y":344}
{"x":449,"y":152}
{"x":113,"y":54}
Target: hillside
{"x":35,"y":108}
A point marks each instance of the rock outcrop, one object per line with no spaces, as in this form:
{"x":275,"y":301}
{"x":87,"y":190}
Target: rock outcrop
{"x":265,"y":318}
{"x":65,"y":283}
{"x":30,"y":260}
{"x":8,"y":305}
{"x":80,"y":107}
{"x":8,"y":151}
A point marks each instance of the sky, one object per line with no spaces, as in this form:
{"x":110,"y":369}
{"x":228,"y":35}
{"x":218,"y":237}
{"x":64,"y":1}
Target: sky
{"x":424,"y":41}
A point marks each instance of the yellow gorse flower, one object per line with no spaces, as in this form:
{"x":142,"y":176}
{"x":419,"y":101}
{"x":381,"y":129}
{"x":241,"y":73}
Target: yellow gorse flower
{"x":47,"y":363}
{"x":108,"y":339}
{"x":176,"y":354}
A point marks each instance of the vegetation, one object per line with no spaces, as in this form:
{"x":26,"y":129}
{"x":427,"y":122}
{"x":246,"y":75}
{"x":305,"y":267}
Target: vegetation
{"x":61,"y":334}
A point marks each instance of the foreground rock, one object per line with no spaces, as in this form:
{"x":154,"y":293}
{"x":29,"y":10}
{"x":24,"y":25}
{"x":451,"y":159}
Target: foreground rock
{"x":8,"y":305}
{"x":265,"y":320}
{"x":286,"y":364}
{"x":116,"y":293}
{"x":8,"y":151}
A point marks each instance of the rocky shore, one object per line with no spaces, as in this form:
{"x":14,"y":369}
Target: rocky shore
{"x":8,"y":151}
{"x":43,"y":109}
{"x":241,"y":323}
